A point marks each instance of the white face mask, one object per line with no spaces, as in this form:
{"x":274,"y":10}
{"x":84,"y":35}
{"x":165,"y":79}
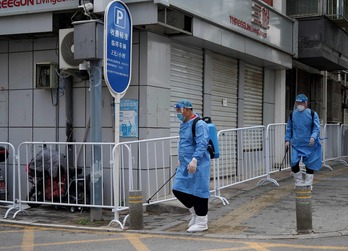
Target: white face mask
{"x":300,"y":108}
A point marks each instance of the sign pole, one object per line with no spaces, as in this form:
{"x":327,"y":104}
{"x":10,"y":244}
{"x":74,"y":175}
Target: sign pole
{"x":118,"y":29}
{"x":117,"y":157}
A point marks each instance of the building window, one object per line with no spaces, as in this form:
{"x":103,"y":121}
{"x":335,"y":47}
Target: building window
{"x":298,"y":8}
{"x":337,"y":8}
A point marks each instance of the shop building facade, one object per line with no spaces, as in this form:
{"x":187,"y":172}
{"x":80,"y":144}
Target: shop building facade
{"x":228,"y":57}
{"x":320,"y":70}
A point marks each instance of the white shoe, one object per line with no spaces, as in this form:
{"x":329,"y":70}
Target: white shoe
{"x":308,"y":181}
{"x":298,"y":178}
{"x":200,"y":225}
{"x":193,"y":217}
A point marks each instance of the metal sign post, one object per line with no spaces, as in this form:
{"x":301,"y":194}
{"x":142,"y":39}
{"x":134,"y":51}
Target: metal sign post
{"x":117,"y":71}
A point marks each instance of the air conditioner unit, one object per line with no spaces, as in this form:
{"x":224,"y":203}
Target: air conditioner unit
{"x":66,"y":50}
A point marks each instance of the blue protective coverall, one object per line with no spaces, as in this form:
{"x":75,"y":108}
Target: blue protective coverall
{"x":197,"y":183}
{"x":299,"y":130}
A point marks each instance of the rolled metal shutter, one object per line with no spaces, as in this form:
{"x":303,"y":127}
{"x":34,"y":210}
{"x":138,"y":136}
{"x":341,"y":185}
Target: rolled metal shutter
{"x":224,"y":87}
{"x":186,"y":81}
{"x":224,"y":116}
{"x":253,"y":95}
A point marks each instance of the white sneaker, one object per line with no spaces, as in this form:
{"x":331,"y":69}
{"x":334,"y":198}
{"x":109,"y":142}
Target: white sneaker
{"x":200,"y":225}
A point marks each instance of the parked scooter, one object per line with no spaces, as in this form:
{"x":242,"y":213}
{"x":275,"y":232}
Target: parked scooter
{"x":50,"y":181}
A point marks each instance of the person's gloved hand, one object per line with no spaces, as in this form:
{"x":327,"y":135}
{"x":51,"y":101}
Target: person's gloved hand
{"x":287,"y":144}
{"x":311,"y":141}
{"x":192,"y":165}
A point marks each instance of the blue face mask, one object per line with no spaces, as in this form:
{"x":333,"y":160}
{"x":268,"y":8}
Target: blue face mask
{"x":180,"y":116}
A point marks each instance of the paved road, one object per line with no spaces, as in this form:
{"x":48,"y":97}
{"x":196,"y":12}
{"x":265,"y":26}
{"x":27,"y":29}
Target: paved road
{"x":257,"y":218}
{"x":28,"y":238}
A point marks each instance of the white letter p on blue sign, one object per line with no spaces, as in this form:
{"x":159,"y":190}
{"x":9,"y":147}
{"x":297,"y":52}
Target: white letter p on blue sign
{"x":120,"y":20}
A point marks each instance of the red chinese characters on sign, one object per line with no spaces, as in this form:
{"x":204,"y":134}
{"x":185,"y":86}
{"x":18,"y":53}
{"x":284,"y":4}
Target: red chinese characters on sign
{"x":259,"y":21}
{"x":260,"y":16}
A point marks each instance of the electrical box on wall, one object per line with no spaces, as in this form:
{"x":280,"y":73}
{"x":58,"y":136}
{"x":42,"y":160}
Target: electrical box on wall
{"x":45,"y":75}
{"x":88,"y":40}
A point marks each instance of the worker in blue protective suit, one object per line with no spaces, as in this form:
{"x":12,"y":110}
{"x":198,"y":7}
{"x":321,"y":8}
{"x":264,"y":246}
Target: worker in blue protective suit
{"x":191,"y":183}
{"x":303,"y":134}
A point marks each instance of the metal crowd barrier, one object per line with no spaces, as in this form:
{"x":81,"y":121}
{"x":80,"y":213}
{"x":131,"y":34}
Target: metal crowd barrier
{"x":60,"y":174}
{"x":344,"y":141}
{"x":332,"y":144}
{"x":277,"y":156}
{"x":7,"y":174}
{"x":242,"y":158}
{"x":74,"y":175}
{"x":151,"y":165}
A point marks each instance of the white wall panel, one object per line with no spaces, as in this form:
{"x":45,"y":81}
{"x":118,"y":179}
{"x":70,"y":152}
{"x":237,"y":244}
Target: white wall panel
{"x":19,"y":135}
{"x":20,"y":70}
{"x":44,"y":113}
{"x":45,"y":56}
{"x":4,"y":71}
{"x":20,"y":108}
{"x":3,"y":108}
{"x":44,"y":134}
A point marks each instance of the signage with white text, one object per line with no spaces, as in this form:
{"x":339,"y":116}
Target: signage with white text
{"x":14,"y":7}
{"x":117,"y":47}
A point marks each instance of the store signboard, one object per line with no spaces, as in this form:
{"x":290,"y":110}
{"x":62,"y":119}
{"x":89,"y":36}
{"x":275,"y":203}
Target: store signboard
{"x":252,"y":18}
{"x":15,"y":7}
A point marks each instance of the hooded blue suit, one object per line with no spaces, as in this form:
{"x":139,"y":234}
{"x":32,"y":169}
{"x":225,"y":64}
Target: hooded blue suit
{"x":197,"y":183}
{"x":299,"y":130}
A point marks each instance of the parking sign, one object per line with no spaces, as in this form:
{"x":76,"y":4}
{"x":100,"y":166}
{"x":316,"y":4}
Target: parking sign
{"x":117,"y":47}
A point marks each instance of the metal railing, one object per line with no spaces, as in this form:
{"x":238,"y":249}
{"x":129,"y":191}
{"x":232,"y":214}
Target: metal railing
{"x":332,"y":144}
{"x":7,"y":174}
{"x":65,"y":174}
{"x":150,"y":165}
{"x":277,"y":156}
{"x":100,"y":175}
{"x":242,"y":157}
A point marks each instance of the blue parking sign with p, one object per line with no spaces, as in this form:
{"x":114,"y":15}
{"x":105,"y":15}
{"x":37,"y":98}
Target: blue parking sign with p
{"x":117,"y":47}
{"x":120,"y":20}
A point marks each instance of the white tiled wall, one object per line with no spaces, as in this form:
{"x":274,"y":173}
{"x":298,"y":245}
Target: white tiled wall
{"x":20,"y":108}
{"x":31,"y":114}
{"x":20,"y":70}
{"x":3,"y":71}
{"x":4,"y":108}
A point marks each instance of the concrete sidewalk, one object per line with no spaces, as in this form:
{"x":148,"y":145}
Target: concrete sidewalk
{"x":253,"y":212}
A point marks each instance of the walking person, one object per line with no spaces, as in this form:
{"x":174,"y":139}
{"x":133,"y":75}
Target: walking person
{"x":303,"y":134}
{"x":191,"y":183}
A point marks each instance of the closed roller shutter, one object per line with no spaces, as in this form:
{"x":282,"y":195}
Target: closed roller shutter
{"x":253,"y":95}
{"x":186,"y":81}
{"x":224,"y":86}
